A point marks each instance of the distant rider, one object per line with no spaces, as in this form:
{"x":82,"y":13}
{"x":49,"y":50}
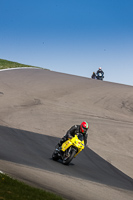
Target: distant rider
{"x":100,"y":71}
{"x":93,"y":75}
{"x":76,"y":129}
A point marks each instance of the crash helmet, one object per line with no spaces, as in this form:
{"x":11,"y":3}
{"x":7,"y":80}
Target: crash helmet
{"x":100,"y":68}
{"x":84,"y":127}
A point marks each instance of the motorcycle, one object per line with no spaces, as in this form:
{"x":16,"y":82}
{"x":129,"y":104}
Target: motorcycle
{"x":69,"y":149}
{"x":99,"y":76}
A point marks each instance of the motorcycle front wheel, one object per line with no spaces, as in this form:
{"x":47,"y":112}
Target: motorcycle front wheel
{"x":68,"y":159}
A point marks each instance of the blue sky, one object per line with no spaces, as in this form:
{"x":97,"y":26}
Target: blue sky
{"x":70,"y":36}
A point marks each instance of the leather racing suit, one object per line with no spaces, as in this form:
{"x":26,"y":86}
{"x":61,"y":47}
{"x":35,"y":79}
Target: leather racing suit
{"x":72,"y":132}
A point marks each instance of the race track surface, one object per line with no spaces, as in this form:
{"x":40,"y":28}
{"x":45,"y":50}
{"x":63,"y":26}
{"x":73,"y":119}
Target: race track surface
{"x":38,"y":106}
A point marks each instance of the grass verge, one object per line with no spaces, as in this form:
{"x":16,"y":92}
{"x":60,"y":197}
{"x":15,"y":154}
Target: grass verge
{"x":11,"y":189}
{"x":4,"y":64}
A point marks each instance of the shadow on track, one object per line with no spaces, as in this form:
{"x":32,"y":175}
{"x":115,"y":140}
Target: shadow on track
{"x":35,"y":150}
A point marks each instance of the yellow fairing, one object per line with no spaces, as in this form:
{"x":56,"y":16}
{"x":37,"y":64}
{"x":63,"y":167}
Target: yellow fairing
{"x":75,"y":141}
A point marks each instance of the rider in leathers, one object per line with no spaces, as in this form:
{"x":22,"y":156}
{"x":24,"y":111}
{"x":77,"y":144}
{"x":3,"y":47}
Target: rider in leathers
{"x":76,"y":129}
{"x":100,"y":71}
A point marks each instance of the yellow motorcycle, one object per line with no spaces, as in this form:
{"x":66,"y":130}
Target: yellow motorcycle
{"x":69,"y":149}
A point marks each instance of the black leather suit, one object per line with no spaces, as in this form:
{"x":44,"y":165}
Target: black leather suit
{"x":72,"y":132}
{"x":100,"y":71}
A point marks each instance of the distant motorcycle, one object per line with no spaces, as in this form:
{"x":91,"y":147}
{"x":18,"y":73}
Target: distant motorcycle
{"x":99,"y":76}
{"x":69,"y":149}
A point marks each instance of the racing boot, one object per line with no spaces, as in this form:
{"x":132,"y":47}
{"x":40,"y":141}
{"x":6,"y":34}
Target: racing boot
{"x":60,"y":143}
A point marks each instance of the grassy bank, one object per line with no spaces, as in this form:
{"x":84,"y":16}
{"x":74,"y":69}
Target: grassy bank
{"x":11,"y":189}
{"x":4,"y":64}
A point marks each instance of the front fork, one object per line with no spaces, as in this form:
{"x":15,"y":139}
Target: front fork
{"x":67,"y":152}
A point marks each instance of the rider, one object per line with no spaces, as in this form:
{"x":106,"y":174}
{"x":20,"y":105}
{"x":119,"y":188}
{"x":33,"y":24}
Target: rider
{"x":76,"y":129}
{"x":100,"y":71}
{"x":93,"y":75}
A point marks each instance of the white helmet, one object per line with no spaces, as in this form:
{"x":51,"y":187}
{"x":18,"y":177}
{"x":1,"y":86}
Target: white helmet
{"x":100,"y":68}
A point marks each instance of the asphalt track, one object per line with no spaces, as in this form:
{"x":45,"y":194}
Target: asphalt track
{"x":38,"y":106}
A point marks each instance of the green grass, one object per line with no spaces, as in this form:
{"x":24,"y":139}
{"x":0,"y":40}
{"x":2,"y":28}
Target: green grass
{"x":4,"y":64}
{"x":11,"y":189}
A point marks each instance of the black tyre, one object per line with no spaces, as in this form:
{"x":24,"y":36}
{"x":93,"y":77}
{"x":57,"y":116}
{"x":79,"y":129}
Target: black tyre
{"x":55,"y":156}
{"x":67,"y":160}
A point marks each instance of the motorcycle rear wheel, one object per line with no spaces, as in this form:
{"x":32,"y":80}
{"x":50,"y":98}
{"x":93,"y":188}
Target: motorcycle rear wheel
{"x":55,"y":156}
{"x":67,"y":160}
